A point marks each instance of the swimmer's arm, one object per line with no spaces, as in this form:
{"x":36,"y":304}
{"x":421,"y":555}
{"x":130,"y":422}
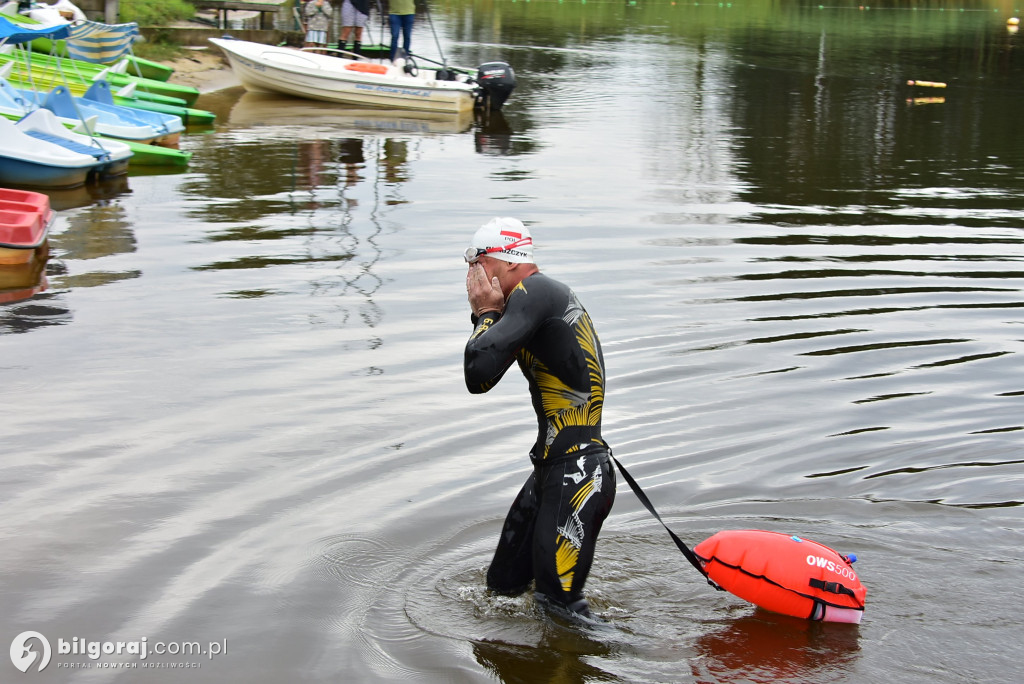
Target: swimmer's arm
{"x":497,"y":337}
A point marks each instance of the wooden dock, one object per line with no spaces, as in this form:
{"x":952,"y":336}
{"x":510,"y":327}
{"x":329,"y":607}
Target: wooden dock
{"x":266,"y":8}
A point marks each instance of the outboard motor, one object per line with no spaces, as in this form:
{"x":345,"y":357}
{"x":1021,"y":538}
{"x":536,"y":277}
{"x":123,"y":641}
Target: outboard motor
{"x":496,"y":81}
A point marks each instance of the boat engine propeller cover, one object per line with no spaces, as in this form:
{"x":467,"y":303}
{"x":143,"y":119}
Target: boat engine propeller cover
{"x":496,"y":81}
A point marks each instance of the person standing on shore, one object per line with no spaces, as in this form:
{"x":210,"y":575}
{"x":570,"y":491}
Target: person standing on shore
{"x":318,"y":22}
{"x":353,"y":16}
{"x":401,"y":14}
{"x":520,"y":314}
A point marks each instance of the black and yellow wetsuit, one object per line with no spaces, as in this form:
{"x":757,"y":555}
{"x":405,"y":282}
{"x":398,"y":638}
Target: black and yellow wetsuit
{"x":551,"y":530}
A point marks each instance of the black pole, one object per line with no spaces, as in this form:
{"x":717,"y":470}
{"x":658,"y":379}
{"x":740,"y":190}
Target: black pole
{"x":430,"y":20}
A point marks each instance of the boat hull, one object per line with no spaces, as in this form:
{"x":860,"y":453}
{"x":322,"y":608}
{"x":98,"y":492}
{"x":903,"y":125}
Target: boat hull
{"x":26,"y":161}
{"x":271,"y":69}
{"x":15,"y":256}
{"x":157,"y":155}
{"x":26,"y":173}
{"x":112,"y":156}
{"x":143,"y":154}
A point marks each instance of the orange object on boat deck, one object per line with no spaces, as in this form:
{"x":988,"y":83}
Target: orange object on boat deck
{"x":784,"y":574}
{"x":25,"y":219}
{"x":367,"y":68}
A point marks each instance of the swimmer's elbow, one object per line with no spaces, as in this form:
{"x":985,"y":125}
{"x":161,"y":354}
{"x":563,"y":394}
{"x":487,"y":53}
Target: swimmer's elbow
{"x":478,"y":380}
{"x":474,"y":383}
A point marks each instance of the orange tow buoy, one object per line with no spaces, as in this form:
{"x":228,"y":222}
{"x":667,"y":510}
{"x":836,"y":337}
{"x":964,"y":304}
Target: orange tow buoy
{"x":784,"y":574}
{"x":927,"y":84}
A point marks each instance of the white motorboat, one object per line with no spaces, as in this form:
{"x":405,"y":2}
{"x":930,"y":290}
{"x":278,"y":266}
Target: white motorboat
{"x":330,"y":78}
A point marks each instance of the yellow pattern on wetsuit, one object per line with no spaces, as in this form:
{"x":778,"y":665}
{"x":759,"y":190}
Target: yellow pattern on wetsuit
{"x":581,"y":496}
{"x":570,"y":535}
{"x":563,"y":406}
{"x":565,"y":563}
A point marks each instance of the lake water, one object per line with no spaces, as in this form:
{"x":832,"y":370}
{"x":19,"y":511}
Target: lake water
{"x":236,"y":414}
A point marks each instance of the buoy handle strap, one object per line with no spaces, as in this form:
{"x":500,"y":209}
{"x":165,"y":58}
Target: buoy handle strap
{"x":832,"y":587}
{"x":690,"y":555}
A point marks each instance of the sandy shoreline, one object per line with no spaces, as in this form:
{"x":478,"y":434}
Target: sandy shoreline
{"x":204,"y":68}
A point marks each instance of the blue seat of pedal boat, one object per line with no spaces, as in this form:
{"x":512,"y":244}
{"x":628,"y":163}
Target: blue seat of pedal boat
{"x":72,"y":145}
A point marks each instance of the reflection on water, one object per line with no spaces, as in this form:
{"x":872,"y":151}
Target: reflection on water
{"x":494,"y":135}
{"x":20,"y":282}
{"x":770,"y":648}
{"x":358,"y":233}
{"x":98,"y":192}
{"x":324,"y":212}
{"x":808,"y":291}
{"x":90,"y":225}
{"x":560,"y":656}
{"x":94,"y":232}
{"x":273,"y":112}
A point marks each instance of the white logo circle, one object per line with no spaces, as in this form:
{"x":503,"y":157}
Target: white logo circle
{"x":23,"y":657}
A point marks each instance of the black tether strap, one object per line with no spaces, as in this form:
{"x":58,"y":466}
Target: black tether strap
{"x":832,"y":587}
{"x":690,"y":556}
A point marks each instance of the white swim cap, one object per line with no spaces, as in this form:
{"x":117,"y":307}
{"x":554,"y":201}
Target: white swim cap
{"x":502,"y":238}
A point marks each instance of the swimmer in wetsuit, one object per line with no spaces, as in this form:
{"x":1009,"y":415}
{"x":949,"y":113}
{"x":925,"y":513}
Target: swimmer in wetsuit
{"x":520,"y":314}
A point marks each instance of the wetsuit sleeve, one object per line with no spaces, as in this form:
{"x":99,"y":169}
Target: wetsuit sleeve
{"x":495,"y":341}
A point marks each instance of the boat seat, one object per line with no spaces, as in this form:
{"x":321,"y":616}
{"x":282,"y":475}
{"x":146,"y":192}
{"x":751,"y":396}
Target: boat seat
{"x":11,"y":98}
{"x":61,"y":103}
{"x":74,"y":146}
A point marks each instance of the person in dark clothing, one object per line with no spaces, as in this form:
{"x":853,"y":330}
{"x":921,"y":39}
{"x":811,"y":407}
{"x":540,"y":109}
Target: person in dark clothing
{"x":520,"y":314}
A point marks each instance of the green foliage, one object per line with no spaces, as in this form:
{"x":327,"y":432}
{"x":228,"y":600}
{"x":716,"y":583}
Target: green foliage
{"x":155,"y":12}
{"x":158,"y":50}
